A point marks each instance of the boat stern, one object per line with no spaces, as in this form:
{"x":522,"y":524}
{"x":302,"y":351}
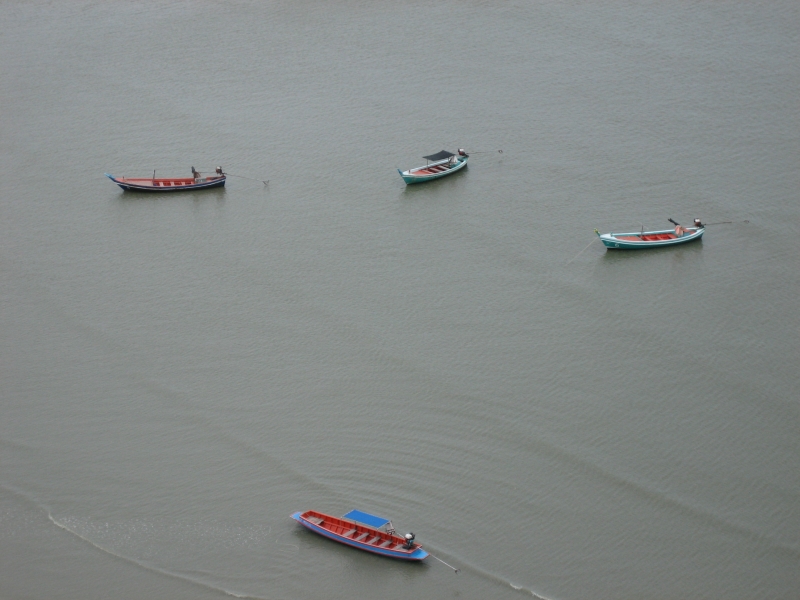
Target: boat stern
{"x":418,"y":554}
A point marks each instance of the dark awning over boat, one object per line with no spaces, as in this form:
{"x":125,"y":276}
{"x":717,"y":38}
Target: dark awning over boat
{"x":366,"y":518}
{"x":440,"y":155}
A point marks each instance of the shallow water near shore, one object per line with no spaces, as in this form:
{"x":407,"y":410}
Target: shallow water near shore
{"x":180,"y":373}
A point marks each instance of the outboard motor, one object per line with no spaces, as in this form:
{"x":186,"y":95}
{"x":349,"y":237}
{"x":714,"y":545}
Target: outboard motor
{"x":409,"y":541}
{"x":219,"y":171}
{"x":462,"y":152}
{"x":698,"y":224}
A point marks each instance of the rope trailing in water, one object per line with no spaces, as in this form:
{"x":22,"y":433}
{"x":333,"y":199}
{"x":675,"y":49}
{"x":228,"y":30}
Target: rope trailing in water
{"x":250,"y":178}
{"x":724,"y":222}
{"x":500,"y":151}
{"x":444,"y":563}
{"x":582,"y":251}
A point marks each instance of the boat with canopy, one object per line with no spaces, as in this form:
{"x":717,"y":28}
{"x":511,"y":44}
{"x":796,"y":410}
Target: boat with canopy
{"x":439,"y":165}
{"x":363,"y":531}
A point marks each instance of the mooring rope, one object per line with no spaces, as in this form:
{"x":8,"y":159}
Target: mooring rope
{"x":582,"y":251}
{"x":444,"y":563}
{"x":265,"y":182}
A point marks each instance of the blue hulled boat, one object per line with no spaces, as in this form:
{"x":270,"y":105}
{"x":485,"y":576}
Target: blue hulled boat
{"x":362,"y":530}
{"x":170,"y":184}
{"x":439,"y":165}
{"x":637,"y":240}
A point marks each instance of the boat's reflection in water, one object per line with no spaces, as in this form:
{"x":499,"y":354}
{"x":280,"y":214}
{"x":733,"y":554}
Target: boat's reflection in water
{"x":692,"y":252}
{"x":217,"y":194}
{"x":429,"y":190}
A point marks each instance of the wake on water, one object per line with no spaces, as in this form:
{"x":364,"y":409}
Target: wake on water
{"x":150,"y":567}
{"x":194,"y":581}
{"x":520,"y":588}
{"x":489,"y":575}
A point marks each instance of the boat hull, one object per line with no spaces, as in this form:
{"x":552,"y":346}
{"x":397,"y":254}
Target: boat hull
{"x":433,"y":171}
{"x":649,"y":239}
{"x":416,"y":555}
{"x":177,"y":184}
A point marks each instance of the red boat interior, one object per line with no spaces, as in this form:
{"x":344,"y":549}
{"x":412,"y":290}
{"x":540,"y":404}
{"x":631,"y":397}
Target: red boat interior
{"x":162,"y":182}
{"x":358,"y":532}
{"x":652,"y":237}
{"x":431,"y":170}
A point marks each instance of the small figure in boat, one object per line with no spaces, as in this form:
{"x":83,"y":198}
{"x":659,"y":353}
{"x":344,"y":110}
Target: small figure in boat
{"x":195,"y":175}
{"x":680,"y":230}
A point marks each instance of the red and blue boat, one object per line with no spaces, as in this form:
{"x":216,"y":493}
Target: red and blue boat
{"x":171,"y":184}
{"x":363,"y":531}
{"x":439,"y":164}
{"x":637,"y":240}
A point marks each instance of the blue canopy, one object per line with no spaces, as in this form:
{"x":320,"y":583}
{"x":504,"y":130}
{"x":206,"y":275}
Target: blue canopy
{"x":366,"y":518}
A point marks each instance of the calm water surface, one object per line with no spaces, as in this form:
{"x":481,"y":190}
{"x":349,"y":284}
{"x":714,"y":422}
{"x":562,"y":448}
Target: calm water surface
{"x":179,"y":374}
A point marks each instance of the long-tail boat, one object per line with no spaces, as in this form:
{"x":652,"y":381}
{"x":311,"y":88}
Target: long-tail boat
{"x":363,"y":531}
{"x":171,"y":184}
{"x":439,"y":164}
{"x":636,"y":240}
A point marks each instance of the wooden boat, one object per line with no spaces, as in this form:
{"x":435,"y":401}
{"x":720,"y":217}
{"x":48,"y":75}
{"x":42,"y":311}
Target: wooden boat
{"x":652,"y":239}
{"x":439,"y":164}
{"x":362,"y":530}
{"x":170,"y":184}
